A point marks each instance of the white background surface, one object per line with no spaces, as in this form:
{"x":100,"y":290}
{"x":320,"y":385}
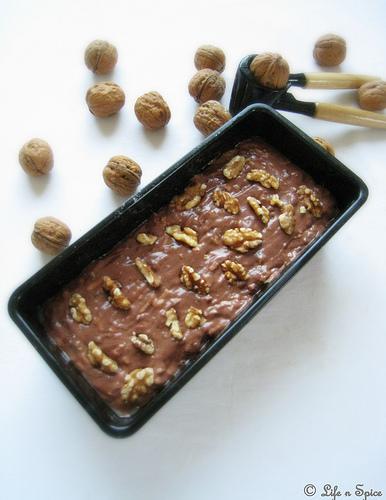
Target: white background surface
{"x":299,"y":396}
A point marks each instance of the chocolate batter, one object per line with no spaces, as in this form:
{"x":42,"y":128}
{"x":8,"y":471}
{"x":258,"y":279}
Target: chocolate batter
{"x":111,"y":328}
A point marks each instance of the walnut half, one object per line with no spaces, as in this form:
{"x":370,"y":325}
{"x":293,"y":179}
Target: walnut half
{"x":227,"y":201}
{"x":146,"y":238}
{"x":79,"y":310}
{"x":194,"y":318}
{"x":193,"y":280}
{"x":100,"y":360}
{"x":173,"y":324}
{"x":308,"y":199}
{"x":148,"y":273}
{"x":287,"y":219}
{"x":259,"y":209}
{"x":242,"y":239}
{"x":190,"y":198}
{"x":116,"y":297}
{"x":234,"y":167}
{"x":143,"y":342}
{"x":264,"y":178}
{"x":186,"y":235}
{"x":137,"y":384}
{"x":234,"y":271}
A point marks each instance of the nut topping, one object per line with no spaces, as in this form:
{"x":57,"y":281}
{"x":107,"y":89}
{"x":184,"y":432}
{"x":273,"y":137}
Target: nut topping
{"x":190,"y":198}
{"x":259,"y":209}
{"x":234,"y":167}
{"x":173,"y":324}
{"x":227,"y":201}
{"x":193,"y":280}
{"x":194,"y":318}
{"x":242,"y":239}
{"x":146,"y":238}
{"x":234,"y":271}
{"x":308,"y":199}
{"x":100,"y":360}
{"x":264,"y":178}
{"x":186,"y":235}
{"x":143,"y":343}
{"x":276,"y":201}
{"x":79,"y":310}
{"x":137,"y":384}
{"x":287,"y":219}
{"x":116,"y":297}
{"x":148,"y":273}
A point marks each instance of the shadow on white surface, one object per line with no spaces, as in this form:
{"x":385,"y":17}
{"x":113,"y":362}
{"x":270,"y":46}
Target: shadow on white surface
{"x":39,"y":184}
{"x":155,"y":137}
{"x":107,"y":126}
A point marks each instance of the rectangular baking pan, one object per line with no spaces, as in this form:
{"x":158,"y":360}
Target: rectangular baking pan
{"x":257,"y":120}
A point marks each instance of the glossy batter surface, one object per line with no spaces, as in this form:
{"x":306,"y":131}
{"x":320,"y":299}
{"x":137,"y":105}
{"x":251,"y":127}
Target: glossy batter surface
{"x":111,"y":328}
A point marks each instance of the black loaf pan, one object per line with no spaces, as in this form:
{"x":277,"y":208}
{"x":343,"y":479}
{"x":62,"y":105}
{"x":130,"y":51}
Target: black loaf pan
{"x":25,"y":303}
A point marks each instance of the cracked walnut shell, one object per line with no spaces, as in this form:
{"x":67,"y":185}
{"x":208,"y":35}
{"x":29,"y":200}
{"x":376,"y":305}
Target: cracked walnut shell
{"x":330,"y":50}
{"x":209,"y":56}
{"x":100,"y":57}
{"x":152,"y":110}
{"x":36,"y":157}
{"x":270,"y":70}
{"x":50,"y":235}
{"x":105,"y":99}
{"x":372,"y":95}
{"x":207,"y":85}
{"x":210,"y":116}
{"x":122,"y":175}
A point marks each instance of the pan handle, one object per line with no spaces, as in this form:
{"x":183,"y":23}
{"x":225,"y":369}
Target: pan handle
{"x":351,"y":116}
{"x":336,"y":80}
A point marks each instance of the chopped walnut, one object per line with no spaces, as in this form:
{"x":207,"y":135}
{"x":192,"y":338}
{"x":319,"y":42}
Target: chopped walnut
{"x":234,"y":271}
{"x":100,"y":360}
{"x":308,"y":199}
{"x":276,"y":201}
{"x":287,"y":219}
{"x":116,"y":297}
{"x":185,"y":235}
{"x":264,"y":178}
{"x":242,"y":239}
{"x":146,"y":239}
{"x":259,"y":209}
{"x":234,"y":167}
{"x":227,"y":201}
{"x":193,"y":280}
{"x":79,"y":310}
{"x":190,"y":198}
{"x":148,"y":273}
{"x":194,"y":317}
{"x":173,"y":324}
{"x":137,"y":384}
{"x":143,"y":343}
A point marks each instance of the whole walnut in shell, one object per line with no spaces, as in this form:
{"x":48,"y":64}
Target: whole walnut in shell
{"x":326,"y":145}
{"x":105,"y":99}
{"x":210,"y":116}
{"x":270,"y":70}
{"x":122,"y":175}
{"x":330,"y":50}
{"x":152,"y":110}
{"x":50,"y":235}
{"x":100,"y":57}
{"x":209,"y":56}
{"x":207,"y":85}
{"x":36,"y":157}
{"x":372,"y":95}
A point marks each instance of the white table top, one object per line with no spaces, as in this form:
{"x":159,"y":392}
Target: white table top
{"x":298,"y":396}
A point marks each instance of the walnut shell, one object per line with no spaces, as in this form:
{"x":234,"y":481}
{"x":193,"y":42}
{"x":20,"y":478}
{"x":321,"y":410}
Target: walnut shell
{"x":372,"y":95}
{"x":326,"y":145}
{"x":50,"y":235}
{"x":122,"y":175}
{"x":105,"y":99}
{"x":152,"y":110}
{"x":36,"y":157}
{"x":207,"y":85}
{"x":330,"y":50}
{"x":270,"y":70}
{"x":210,"y":116}
{"x":100,"y":57}
{"x":209,"y":56}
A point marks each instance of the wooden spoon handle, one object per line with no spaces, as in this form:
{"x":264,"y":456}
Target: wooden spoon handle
{"x":336,"y":80}
{"x":351,"y":116}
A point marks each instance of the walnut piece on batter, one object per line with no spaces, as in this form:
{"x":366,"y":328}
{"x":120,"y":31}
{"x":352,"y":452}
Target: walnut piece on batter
{"x":308,"y":199}
{"x":100,"y":360}
{"x":276,"y":201}
{"x":143,"y":342}
{"x":234,"y":167}
{"x":259,"y":209}
{"x":287,"y":219}
{"x":79,"y":310}
{"x":234,"y":271}
{"x":116,"y":297}
{"x":137,"y":384}
{"x":146,"y":238}
{"x":190,"y":198}
{"x":264,"y":178}
{"x":148,"y":273}
{"x":193,"y":280}
{"x":242,"y":239}
{"x":227,"y":201}
{"x":186,"y":235}
{"x":194,"y":318}
{"x":173,"y":324}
